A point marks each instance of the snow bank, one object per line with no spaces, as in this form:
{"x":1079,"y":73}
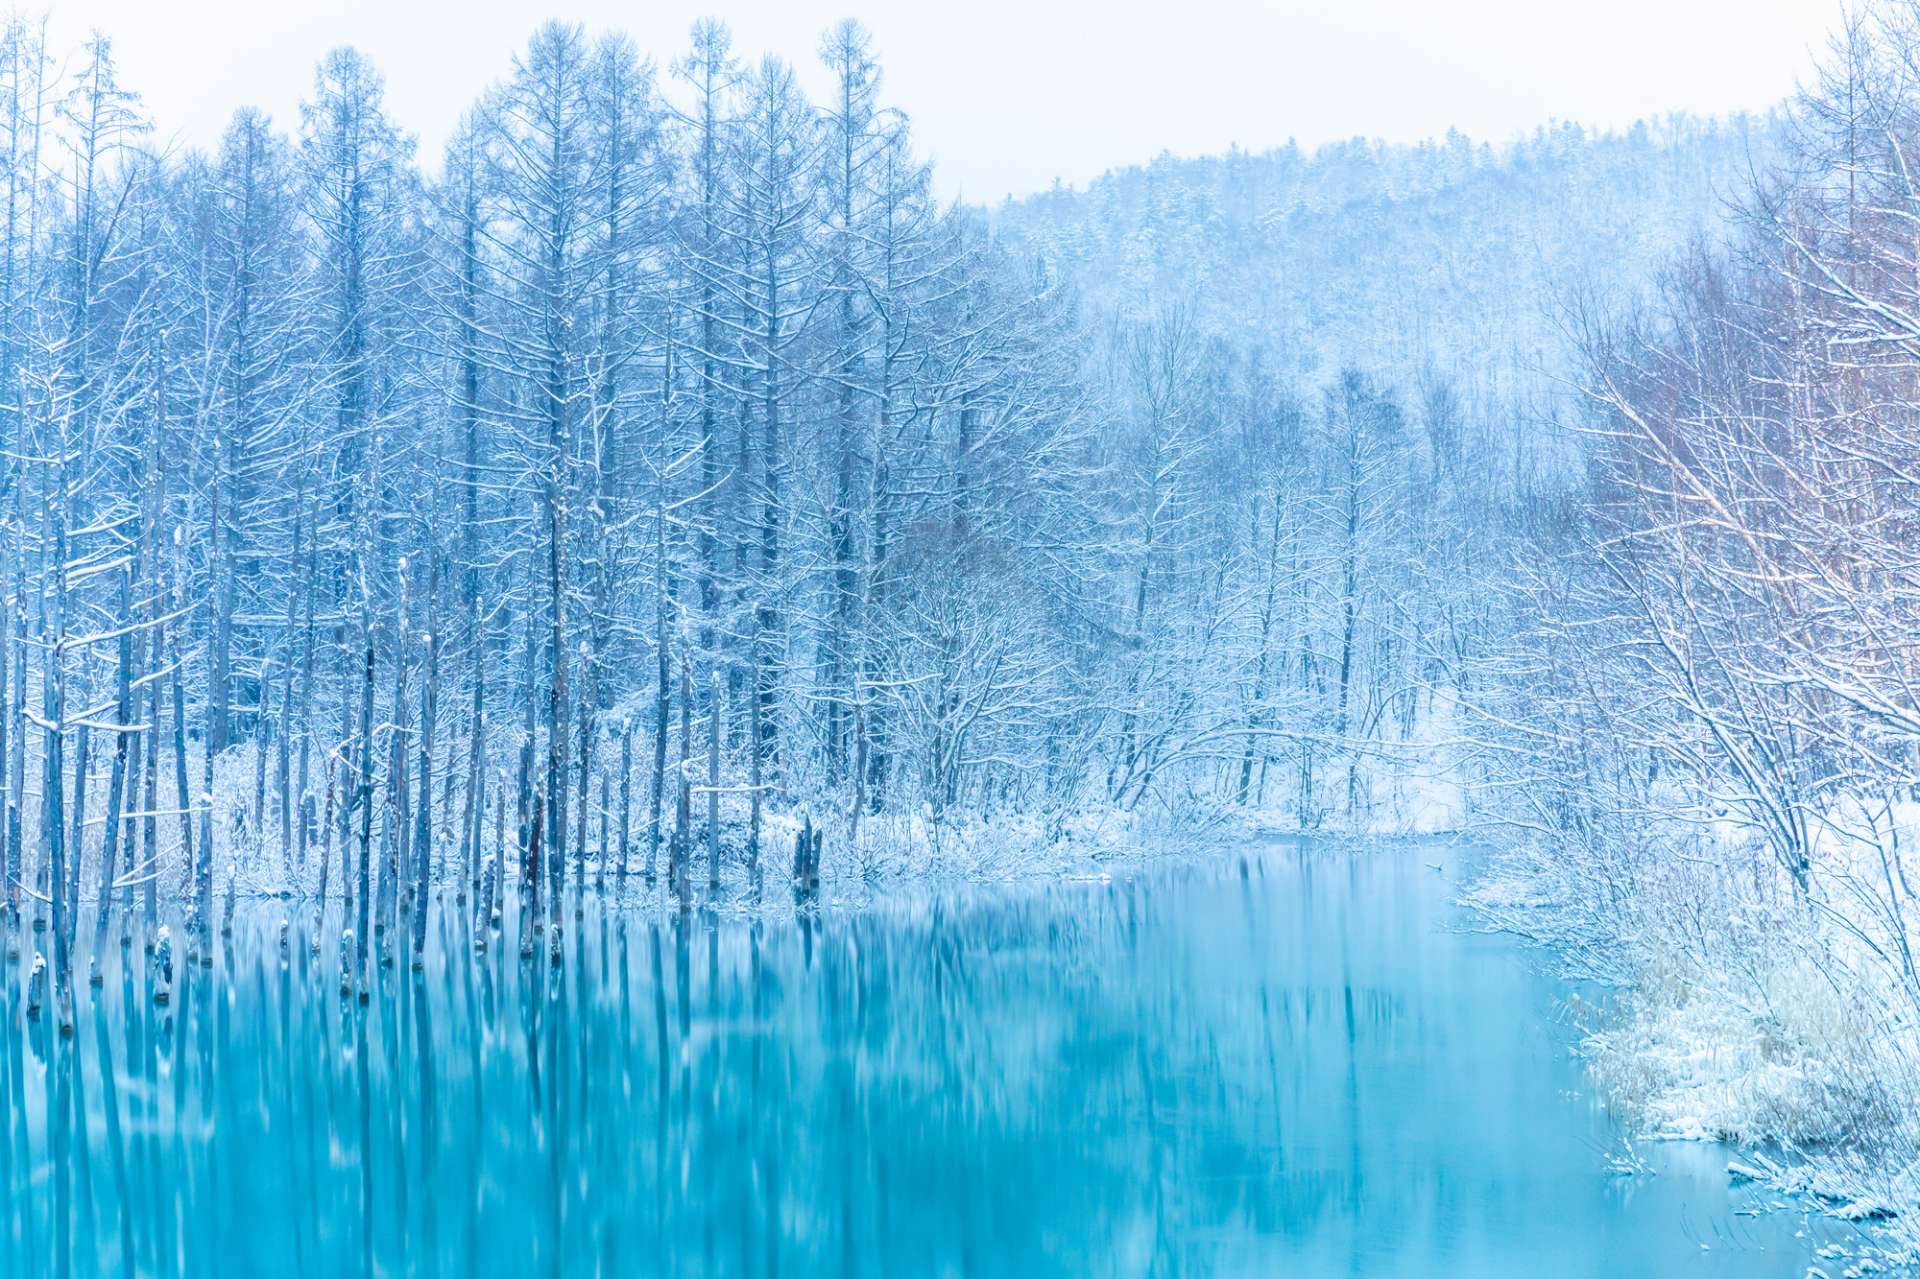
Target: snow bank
{"x":1744,"y":1009}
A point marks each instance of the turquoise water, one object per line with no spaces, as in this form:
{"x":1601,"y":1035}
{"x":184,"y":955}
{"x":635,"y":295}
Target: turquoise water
{"x":1289,"y":1064}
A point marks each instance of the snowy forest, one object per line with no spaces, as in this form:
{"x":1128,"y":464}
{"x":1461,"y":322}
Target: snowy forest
{"x":662,"y":497}
{"x":664,"y":461}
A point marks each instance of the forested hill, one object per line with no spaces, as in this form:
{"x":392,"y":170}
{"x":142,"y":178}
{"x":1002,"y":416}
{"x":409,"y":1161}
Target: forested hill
{"x":1455,"y":253}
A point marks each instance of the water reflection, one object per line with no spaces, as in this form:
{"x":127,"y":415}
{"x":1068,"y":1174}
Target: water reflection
{"x":1284,"y":1065}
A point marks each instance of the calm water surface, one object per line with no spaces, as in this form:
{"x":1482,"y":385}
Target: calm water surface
{"x":1294,"y":1063}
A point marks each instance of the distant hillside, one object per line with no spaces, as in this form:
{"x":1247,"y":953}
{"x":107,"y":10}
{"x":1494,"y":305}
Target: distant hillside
{"x":1453,"y":253}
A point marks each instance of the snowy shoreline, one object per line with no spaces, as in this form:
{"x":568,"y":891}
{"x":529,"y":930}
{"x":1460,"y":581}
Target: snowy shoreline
{"x":1743,"y":1013}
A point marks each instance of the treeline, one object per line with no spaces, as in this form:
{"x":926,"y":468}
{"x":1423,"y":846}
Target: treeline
{"x":658,"y":481}
{"x":358,"y":518}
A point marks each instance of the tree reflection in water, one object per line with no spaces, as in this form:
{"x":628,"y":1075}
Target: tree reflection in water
{"x":1282,"y":1065}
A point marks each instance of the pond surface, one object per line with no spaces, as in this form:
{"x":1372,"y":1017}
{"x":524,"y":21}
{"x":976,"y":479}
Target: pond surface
{"x":1294,"y":1063}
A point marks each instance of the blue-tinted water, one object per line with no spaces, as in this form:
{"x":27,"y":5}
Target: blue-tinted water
{"x":1286,"y":1065}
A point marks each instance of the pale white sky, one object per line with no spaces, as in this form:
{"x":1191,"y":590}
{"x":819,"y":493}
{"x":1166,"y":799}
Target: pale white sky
{"x":1006,"y":95}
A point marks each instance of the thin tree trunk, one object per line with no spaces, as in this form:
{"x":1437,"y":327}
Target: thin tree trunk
{"x":626,"y":797}
{"x":123,"y":712}
{"x":713,"y":788}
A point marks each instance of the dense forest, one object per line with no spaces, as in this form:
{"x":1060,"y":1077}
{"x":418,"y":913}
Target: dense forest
{"x":368,"y":530}
{"x":663,"y":477}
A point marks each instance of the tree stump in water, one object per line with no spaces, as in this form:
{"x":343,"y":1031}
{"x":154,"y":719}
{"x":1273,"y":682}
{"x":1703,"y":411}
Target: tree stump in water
{"x":806,"y":863}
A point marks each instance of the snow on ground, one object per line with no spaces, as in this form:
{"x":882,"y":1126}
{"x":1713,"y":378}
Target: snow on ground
{"x":1744,"y":1010}
{"x":1406,"y":788}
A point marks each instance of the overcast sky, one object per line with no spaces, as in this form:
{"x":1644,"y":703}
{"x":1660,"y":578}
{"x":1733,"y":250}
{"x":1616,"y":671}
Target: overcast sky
{"x":1007,"y":95}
